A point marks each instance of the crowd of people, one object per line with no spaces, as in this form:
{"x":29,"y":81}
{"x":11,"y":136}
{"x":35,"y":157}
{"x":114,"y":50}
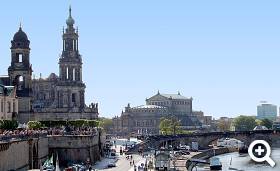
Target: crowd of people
{"x":21,"y":134}
{"x":72,"y":130}
{"x":25,"y":133}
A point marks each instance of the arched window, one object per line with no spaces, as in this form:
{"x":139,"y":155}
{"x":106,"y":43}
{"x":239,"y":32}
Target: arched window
{"x":20,"y":82}
{"x":20,"y":58}
{"x":2,"y":106}
{"x":67,"y":73}
{"x":74,"y":98}
{"x":14,"y":106}
{"x":74,"y":74}
{"x":73,"y":45}
{"x":9,"y":107}
{"x":80,"y":74}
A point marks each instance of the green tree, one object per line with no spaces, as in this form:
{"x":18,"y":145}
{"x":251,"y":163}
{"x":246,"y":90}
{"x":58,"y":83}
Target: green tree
{"x":77,"y":123}
{"x":170,"y":126}
{"x":267,"y":123}
{"x":92,"y":123}
{"x":244,"y":123}
{"x":34,"y":125}
{"x":176,"y":126}
{"x":224,"y":125}
{"x":258,"y":122}
{"x":106,"y":124}
{"x":164,"y":126}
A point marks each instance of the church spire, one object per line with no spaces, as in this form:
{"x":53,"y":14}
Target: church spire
{"x":70,"y":10}
{"x":70,"y":21}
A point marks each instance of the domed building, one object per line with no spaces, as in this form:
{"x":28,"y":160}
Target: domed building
{"x":145,"y":119}
{"x":57,"y":97}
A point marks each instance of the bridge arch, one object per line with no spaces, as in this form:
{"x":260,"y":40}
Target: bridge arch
{"x":205,"y":139}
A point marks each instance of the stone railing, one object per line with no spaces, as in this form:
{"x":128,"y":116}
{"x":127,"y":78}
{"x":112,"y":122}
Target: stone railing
{"x":6,"y":138}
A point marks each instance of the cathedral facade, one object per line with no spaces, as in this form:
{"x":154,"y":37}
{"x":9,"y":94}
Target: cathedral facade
{"x":58,"y":97}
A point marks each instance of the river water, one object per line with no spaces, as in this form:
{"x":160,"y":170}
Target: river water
{"x":245,"y":163}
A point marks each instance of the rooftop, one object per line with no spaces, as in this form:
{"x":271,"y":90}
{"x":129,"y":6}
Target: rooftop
{"x":149,"y":107}
{"x":174,"y":96}
{"x":8,"y":88}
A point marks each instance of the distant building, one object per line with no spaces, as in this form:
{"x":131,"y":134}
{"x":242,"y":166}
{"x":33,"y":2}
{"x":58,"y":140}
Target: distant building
{"x":276,"y":124}
{"x":224,"y":124}
{"x":205,"y":120}
{"x":145,"y":119}
{"x":8,"y":103}
{"x":266,"y":111}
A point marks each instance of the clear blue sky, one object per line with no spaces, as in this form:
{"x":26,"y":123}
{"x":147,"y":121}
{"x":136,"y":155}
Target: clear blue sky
{"x":225,"y":54}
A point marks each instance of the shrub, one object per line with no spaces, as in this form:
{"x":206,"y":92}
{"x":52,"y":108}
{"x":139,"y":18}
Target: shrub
{"x":34,"y":125}
{"x":53,"y":123}
{"x":77,"y":123}
{"x":92,"y":123}
{"x":8,"y":124}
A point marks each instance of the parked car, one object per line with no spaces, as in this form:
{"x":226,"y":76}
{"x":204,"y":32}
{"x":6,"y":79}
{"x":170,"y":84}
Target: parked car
{"x":184,"y":147}
{"x":180,"y":153}
{"x":185,"y":152}
{"x":111,"y":164}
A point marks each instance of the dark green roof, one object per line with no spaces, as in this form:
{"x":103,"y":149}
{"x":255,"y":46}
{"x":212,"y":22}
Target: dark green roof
{"x":8,"y":88}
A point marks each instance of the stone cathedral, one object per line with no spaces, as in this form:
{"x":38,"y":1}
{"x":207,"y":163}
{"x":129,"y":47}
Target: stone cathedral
{"x":58,"y":97}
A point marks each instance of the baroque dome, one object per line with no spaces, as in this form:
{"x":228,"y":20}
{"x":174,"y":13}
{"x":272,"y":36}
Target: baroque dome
{"x":20,"y":36}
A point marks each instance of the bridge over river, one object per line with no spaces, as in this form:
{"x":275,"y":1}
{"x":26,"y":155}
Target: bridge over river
{"x":206,"y":139}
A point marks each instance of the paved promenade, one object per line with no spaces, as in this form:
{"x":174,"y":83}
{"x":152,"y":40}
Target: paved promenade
{"x":122,"y":163}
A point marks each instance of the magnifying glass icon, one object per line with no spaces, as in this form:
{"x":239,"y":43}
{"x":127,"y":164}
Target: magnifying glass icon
{"x":259,"y":151}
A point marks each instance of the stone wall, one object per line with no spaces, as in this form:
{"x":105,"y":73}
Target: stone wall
{"x":23,"y":154}
{"x":31,"y":153}
{"x":14,"y":156}
{"x":75,"y":149}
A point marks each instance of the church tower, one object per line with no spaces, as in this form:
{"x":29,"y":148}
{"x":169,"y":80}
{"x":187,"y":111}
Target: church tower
{"x":71,"y":91}
{"x":20,"y":70}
